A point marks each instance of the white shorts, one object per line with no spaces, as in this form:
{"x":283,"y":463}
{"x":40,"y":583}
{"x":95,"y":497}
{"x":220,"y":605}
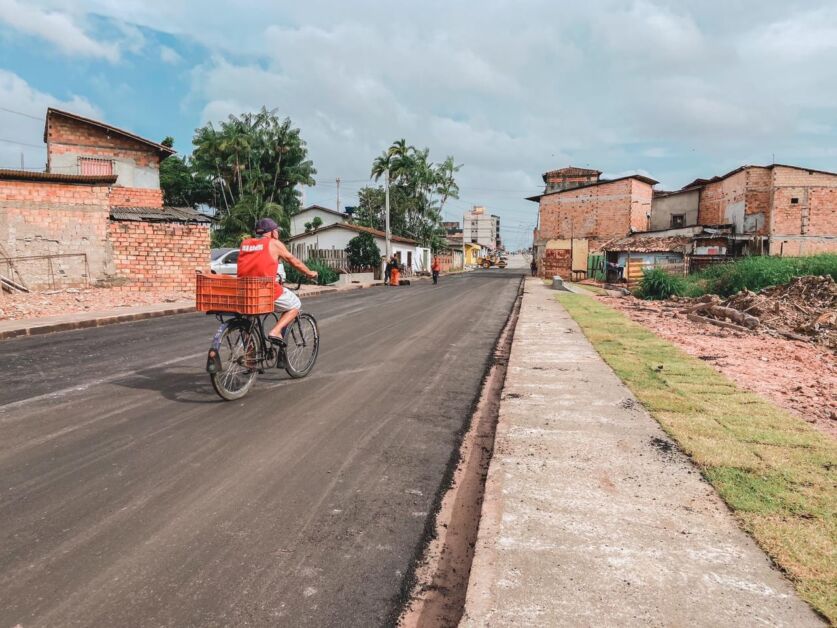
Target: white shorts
{"x":287,"y":301}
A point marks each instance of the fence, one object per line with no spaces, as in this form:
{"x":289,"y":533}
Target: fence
{"x":47,"y":271}
{"x":637,"y":266}
{"x":336,"y":259}
{"x":596,"y":267}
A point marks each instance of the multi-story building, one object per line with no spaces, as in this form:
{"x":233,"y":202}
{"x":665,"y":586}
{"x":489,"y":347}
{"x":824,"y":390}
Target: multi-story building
{"x":578,"y":212}
{"x":479,"y":227}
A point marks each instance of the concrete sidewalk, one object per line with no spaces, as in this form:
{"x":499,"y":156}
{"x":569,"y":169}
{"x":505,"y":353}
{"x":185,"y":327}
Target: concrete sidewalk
{"x":98,"y":318}
{"x":591,"y":514}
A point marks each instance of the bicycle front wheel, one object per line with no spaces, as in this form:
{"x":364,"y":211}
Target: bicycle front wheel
{"x":303,"y":345}
{"x":238,"y":352}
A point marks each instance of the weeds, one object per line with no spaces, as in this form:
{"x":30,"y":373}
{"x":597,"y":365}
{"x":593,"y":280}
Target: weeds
{"x":658,"y":284}
{"x":326,"y":274}
{"x":747,"y":273}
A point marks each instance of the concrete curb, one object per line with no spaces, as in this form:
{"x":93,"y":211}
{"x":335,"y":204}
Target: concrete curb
{"x":36,"y":328}
{"x":592,"y":516}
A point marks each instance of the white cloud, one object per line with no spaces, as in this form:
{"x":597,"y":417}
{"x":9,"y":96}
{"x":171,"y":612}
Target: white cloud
{"x":680,"y":89}
{"x":803,"y":35}
{"x":170,"y":56}
{"x":57,"y":28}
{"x":22,"y":120}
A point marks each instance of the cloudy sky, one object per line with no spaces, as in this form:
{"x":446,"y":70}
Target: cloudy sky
{"x":674,"y":89}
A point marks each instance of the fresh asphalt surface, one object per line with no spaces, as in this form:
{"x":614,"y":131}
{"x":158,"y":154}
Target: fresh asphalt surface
{"x":131,"y":495}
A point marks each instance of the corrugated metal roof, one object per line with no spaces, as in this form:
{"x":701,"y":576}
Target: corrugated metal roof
{"x":158,"y":214}
{"x":53,"y":177}
{"x":639,"y":243}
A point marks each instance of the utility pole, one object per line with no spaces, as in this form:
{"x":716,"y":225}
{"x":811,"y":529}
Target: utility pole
{"x":338,"y":194}
{"x":386,"y":204}
{"x":21,"y":161}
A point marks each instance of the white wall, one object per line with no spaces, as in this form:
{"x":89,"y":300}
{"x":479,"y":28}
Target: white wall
{"x":422,"y":259}
{"x":129,"y":174}
{"x":298,"y":221}
{"x":330,"y":239}
{"x":339,"y":239}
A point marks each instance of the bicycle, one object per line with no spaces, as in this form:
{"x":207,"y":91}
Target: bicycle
{"x":241,"y":351}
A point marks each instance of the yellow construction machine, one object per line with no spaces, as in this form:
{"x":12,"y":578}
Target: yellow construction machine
{"x":488,"y":261}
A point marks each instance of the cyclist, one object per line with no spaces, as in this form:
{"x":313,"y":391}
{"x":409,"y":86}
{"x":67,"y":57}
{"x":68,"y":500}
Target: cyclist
{"x":260,"y":257}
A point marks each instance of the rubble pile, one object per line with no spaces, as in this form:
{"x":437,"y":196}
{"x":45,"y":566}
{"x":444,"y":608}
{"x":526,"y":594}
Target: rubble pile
{"x":803,"y":309}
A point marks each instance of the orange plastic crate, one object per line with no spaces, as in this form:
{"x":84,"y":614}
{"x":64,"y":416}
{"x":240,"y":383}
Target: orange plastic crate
{"x":244,"y":295}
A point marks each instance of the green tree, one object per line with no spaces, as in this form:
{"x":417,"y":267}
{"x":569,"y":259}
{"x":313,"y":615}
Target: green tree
{"x":254,"y":163}
{"x":180,"y":187}
{"x":363,"y":252}
{"x":419,"y":190}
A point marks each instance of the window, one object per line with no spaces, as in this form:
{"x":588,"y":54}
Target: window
{"x":794,"y":201}
{"x":93,"y":166}
{"x":678,"y":220}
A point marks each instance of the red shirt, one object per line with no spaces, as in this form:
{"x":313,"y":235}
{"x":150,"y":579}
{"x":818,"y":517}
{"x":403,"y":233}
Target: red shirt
{"x":256,"y":260}
{"x":437,"y":266}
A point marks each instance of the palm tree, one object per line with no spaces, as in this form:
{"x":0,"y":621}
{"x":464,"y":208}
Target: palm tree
{"x":446,"y":185}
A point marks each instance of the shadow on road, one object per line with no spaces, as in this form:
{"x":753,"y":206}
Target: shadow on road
{"x":188,"y":385}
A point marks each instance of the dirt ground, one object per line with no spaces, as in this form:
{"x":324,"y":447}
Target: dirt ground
{"x":48,"y":303}
{"x":798,"y":376}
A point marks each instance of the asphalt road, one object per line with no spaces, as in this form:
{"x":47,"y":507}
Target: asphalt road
{"x":130,"y":495}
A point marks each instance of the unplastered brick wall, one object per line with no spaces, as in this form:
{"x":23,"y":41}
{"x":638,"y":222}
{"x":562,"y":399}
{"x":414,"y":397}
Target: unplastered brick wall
{"x":555,"y":262}
{"x":716,"y":197}
{"x":135,"y":163}
{"x":599,"y":212}
{"x":800,"y":246}
{"x":65,"y":135}
{"x":641,"y":195}
{"x":159,"y":255}
{"x":61,"y":231}
{"x":804,"y":203}
{"x":136,"y":197}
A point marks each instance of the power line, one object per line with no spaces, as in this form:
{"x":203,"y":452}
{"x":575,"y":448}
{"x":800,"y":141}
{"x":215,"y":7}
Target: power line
{"x":20,"y":113}
{"x":41,"y":146}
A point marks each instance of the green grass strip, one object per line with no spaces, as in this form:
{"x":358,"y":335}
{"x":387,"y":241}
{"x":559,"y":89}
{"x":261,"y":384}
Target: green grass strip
{"x":776,"y":473}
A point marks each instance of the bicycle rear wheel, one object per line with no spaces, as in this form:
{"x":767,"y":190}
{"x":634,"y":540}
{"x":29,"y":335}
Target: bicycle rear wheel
{"x":303,"y":345}
{"x":239,"y":352}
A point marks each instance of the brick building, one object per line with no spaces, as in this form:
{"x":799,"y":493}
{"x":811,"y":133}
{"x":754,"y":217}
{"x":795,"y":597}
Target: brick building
{"x":775,"y":210}
{"x":578,"y":212}
{"x":96,"y":216}
{"x":569,"y":177}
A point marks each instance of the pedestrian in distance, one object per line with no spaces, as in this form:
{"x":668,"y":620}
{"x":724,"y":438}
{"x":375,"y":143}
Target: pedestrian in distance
{"x":534,"y":267}
{"x":387,"y":272}
{"x":392,"y":264}
{"x":436,"y":268}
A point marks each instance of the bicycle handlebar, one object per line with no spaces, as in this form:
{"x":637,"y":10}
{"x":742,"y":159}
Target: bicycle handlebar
{"x":302,"y":281}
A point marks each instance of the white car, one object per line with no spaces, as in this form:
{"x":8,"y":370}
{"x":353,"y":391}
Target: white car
{"x":227,"y":264}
